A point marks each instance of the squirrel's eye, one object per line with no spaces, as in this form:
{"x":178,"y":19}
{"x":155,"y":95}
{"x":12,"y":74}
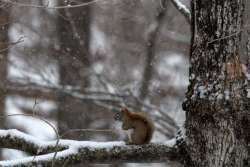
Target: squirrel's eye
{"x":117,"y":116}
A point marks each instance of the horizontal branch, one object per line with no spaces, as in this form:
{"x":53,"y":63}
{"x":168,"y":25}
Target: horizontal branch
{"x":34,"y":90}
{"x":52,"y":92}
{"x":14,"y":139}
{"x":19,"y":4}
{"x":73,"y":152}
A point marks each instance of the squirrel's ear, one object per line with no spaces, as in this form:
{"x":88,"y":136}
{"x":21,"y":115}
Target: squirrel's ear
{"x":124,"y":110}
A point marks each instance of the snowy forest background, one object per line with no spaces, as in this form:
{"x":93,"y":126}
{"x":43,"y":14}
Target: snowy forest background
{"x":75,"y":67}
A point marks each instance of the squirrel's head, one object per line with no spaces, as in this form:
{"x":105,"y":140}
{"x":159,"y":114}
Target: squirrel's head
{"x":119,"y":115}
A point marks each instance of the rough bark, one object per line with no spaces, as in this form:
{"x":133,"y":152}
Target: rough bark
{"x":248,"y":60}
{"x":217,"y":109}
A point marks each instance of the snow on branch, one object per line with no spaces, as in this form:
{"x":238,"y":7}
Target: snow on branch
{"x":183,"y":9}
{"x":69,"y":152}
{"x":14,"y":139}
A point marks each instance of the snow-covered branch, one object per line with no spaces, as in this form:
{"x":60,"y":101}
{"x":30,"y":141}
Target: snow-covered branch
{"x":74,"y":152}
{"x":183,"y":9}
{"x":15,"y":139}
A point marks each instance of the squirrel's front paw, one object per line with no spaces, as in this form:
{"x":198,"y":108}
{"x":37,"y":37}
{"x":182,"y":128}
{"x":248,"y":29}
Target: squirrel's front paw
{"x":129,"y":143}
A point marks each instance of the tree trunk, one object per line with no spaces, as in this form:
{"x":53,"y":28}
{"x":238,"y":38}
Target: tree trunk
{"x":217,"y":108}
{"x":151,"y":52}
{"x":4,"y":41}
{"x":73,"y":29}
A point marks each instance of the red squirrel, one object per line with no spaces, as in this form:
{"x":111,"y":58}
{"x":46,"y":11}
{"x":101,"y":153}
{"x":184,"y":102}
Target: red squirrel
{"x":139,"y":122}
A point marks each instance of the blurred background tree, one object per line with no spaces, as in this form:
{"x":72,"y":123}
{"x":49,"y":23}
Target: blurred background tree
{"x":75,"y":66}
{"x":4,"y":43}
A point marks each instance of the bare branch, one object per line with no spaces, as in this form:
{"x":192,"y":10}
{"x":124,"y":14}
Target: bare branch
{"x":21,"y":39}
{"x":50,"y":92}
{"x":105,"y":99}
{"x":183,"y":9}
{"x":74,"y":152}
{"x":19,"y":4}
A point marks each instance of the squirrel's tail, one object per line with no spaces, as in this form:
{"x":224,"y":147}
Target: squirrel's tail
{"x":151,"y":128}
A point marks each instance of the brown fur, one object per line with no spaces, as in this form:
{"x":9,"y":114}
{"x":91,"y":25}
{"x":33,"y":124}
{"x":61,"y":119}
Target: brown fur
{"x":142,"y":125}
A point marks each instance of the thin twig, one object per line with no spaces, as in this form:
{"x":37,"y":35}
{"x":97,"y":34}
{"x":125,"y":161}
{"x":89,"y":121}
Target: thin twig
{"x":225,"y":37}
{"x":21,"y":39}
{"x":55,"y":7}
{"x":47,"y":122}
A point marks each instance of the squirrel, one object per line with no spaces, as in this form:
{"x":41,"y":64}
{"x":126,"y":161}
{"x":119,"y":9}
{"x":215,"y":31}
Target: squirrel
{"x":139,"y":122}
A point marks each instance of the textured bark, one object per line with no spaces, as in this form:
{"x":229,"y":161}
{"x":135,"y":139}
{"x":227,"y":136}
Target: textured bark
{"x":217,"y":109}
{"x":248,"y":58}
